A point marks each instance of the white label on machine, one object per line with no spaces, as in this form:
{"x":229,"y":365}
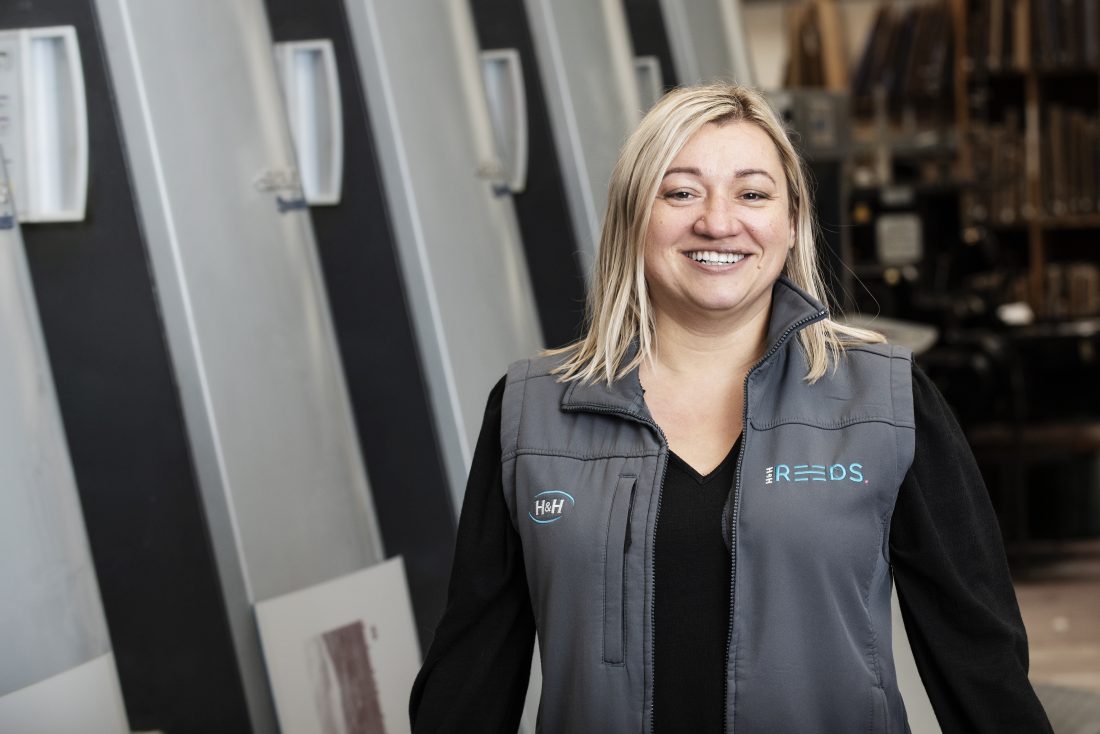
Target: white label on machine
{"x":898,"y":239}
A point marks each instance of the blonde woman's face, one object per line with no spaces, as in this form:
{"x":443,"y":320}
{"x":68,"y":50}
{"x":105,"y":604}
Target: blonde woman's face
{"x":719,"y":230}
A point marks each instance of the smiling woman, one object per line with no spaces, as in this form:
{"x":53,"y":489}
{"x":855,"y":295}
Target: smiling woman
{"x":702,"y":505}
{"x":716,"y":154}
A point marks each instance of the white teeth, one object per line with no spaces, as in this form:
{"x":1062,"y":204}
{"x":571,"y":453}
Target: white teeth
{"x":711,"y":257}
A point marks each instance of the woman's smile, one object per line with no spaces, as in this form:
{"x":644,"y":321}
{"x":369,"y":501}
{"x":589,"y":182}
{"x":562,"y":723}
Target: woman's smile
{"x":714,"y":260}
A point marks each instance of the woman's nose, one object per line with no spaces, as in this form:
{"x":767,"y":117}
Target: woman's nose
{"x":719,"y":219}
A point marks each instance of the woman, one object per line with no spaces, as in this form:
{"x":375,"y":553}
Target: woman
{"x":701,"y":504}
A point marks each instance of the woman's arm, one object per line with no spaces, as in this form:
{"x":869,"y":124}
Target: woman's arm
{"x":475,"y":676}
{"x":956,"y":594}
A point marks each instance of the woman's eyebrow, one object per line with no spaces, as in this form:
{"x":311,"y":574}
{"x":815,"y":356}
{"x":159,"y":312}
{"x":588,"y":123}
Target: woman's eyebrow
{"x":683,"y":169}
{"x":744,"y":172}
{"x":741,"y":173}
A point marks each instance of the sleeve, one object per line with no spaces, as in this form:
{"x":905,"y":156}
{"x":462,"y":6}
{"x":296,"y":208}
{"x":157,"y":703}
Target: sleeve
{"x":475,"y":675}
{"x":956,"y":595}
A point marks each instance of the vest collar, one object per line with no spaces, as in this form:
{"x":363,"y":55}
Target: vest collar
{"x":792,"y":309}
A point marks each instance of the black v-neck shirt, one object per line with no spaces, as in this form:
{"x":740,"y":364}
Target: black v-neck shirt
{"x":691,"y":598}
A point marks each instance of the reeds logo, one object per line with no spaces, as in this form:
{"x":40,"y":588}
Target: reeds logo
{"x":550,"y":506}
{"x":781,"y":473}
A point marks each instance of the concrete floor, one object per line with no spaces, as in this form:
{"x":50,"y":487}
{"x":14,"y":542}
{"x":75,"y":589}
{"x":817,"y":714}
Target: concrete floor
{"x":1058,"y":587}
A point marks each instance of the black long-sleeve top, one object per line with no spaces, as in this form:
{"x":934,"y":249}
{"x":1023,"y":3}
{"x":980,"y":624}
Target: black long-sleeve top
{"x":948,"y":561}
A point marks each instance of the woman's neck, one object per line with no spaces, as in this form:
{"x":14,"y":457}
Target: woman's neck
{"x":707,"y":349}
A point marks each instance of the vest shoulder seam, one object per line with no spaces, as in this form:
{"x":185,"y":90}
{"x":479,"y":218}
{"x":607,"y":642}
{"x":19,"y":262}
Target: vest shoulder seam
{"x":541,"y":366}
{"x":577,"y":455}
{"x":896,"y":352}
{"x":828,"y":425}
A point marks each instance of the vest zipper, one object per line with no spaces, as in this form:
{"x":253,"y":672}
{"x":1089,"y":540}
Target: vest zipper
{"x":652,"y":576}
{"x":663,"y":458}
{"x":736,"y":504}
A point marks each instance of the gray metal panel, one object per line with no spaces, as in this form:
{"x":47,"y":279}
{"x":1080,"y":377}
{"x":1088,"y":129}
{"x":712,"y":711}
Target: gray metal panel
{"x":457,"y":236}
{"x":243,"y":303}
{"x":51,"y":619}
{"x":708,"y":41}
{"x":587,"y":67}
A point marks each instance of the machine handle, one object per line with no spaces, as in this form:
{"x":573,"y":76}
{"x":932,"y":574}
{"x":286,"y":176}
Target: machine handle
{"x":311,"y":91}
{"x":502,"y":74}
{"x":647,"y":72}
{"x":55,"y":124}
{"x":7,"y":202}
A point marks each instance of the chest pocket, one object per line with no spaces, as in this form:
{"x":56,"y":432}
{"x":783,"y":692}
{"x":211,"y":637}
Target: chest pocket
{"x":619,"y":538}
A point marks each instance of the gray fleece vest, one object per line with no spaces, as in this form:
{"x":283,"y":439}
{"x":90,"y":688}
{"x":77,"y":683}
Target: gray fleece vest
{"x":807,"y":522}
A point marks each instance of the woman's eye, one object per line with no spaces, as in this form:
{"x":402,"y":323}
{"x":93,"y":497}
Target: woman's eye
{"x":679,"y":195}
{"x":754,"y":196}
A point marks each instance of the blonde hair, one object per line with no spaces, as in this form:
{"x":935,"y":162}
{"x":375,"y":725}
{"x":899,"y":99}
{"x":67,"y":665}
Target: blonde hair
{"x":618,"y":309}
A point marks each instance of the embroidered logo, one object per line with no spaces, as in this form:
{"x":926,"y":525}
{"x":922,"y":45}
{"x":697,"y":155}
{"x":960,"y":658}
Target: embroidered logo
{"x":781,"y":473}
{"x":550,"y":506}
